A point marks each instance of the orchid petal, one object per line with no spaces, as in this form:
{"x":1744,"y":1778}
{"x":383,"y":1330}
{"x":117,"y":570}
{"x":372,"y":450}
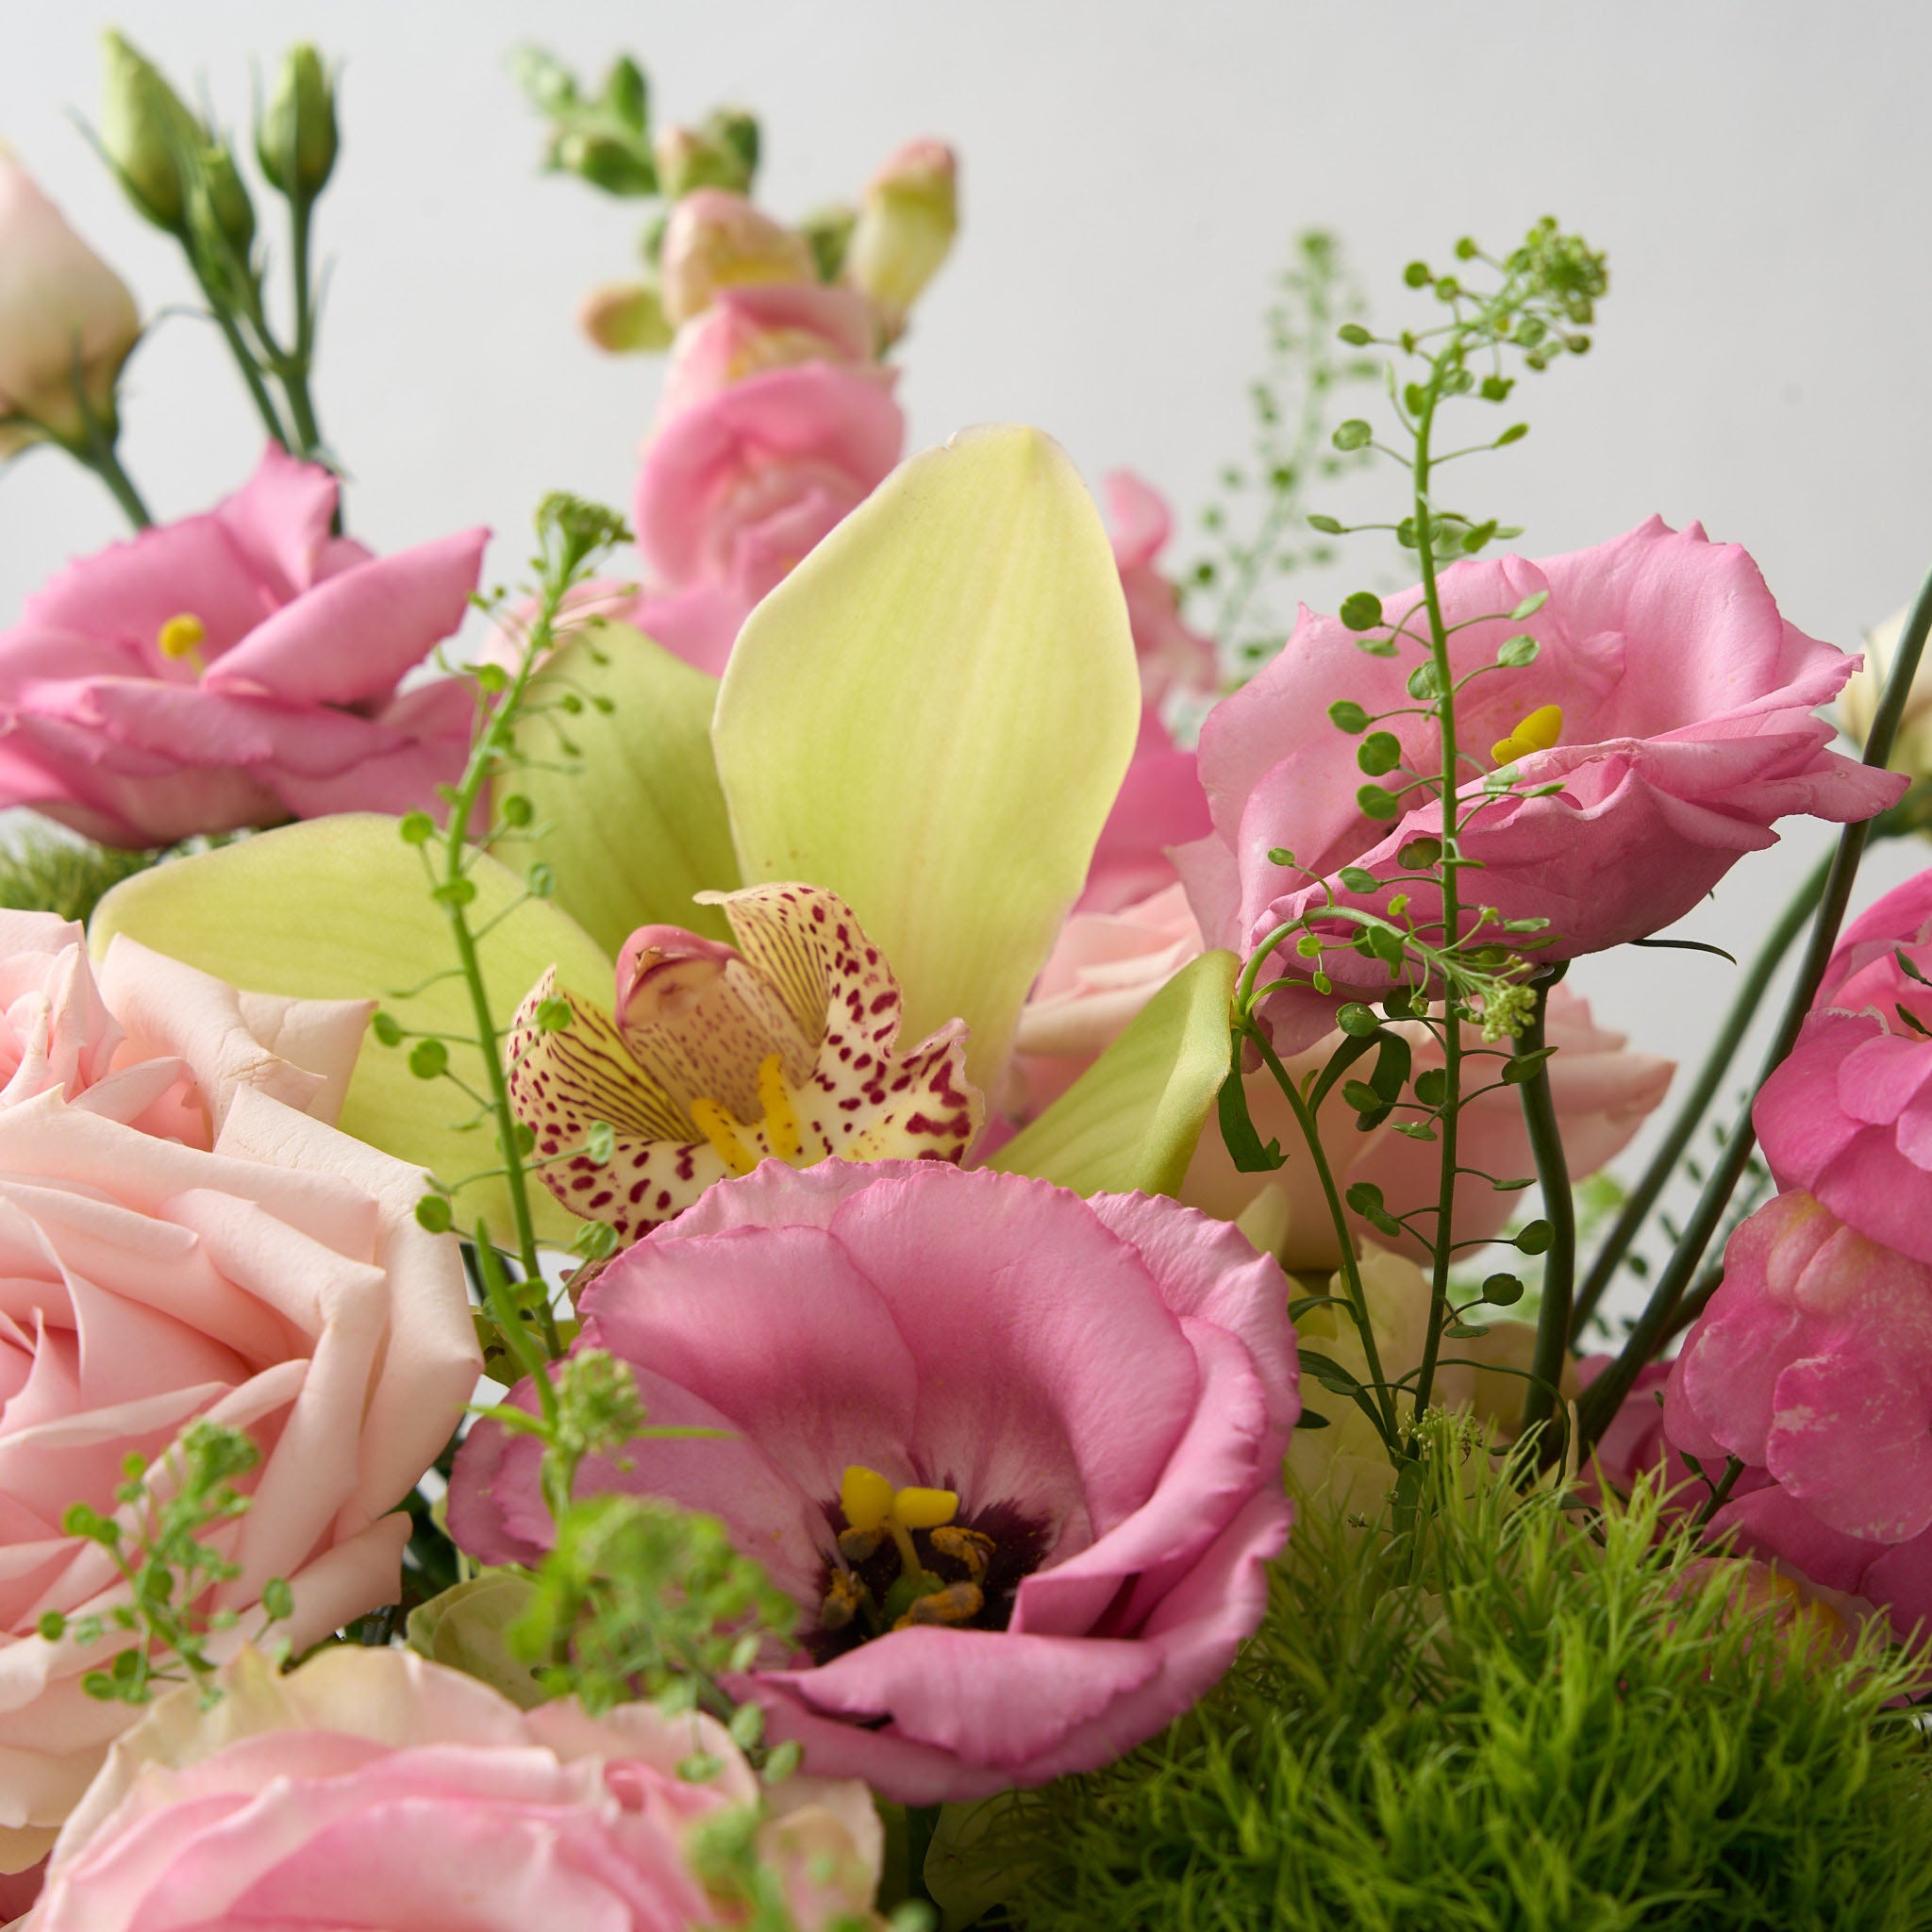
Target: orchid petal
{"x":340,"y":908}
{"x":931,"y":716}
{"x":1132,"y":1120}
{"x":638,"y":825}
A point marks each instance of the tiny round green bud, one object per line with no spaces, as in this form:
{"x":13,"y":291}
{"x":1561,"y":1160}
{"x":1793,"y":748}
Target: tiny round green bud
{"x":492,"y":678}
{"x":1358,"y":879}
{"x":296,"y":141}
{"x":600,"y":1142}
{"x":428,"y":1060}
{"x":1354,"y":434}
{"x":1536,"y":1237}
{"x":277,"y":1599}
{"x":1347,"y":716}
{"x":1360,"y":611}
{"x":1280,"y":855}
{"x":1356,"y":1019}
{"x":1374,"y":803}
{"x":386,"y":1029}
{"x":555,"y":1014}
{"x":1417,"y":274}
{"x":540,"y":879}
{"x":52,"y":1626}
{"x":1502,"y":1290}
{"x":517,"y":810}
{"x":433,"y":1214}
{"x":1379,"y":752}
{"x":1355,"y":335}
{"x":416,"y":828}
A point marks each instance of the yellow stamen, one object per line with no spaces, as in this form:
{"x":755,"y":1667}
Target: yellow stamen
{"x":969,"y":1548}
{"x":1537,"y":732}
{"x":926,"y":1509}
{"x":842,"y":1599}
{"x":959,"y":1603}
{"x":182,"y":637}
{"x":781,"y":1123}
{"x":866,"y":1497}
{"x":717,"y":1125}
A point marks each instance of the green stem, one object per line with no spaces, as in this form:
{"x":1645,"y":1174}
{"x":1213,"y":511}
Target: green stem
{"x":1351,"y":1268}
{"x":1604,"y":1396}
{"x":1560,"y":1206}
{"x":246,"y":362}
{"x":1448,"y":1115}
{"x":1724,"y":1049}
{"x":294,"y":368}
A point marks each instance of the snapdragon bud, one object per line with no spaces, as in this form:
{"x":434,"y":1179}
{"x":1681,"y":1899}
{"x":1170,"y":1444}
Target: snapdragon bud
{"x":907,"y":221}
{"x":1858,"y":705}
{"x":724,"y":153}
{"x":296,"y":140}
{"x":625,"y":318}
{"x":828,"y":233}
{"x":64,"y":315}
{"x":716,"y":240}
{"x":144,"y":127}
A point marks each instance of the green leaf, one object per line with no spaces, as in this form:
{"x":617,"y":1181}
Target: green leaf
{"x":338,"y":909}
{"x":641,"y":826}
{"x":931,"y":716}
{"x":1133,"y":1119}
{"x":1518,"y":651}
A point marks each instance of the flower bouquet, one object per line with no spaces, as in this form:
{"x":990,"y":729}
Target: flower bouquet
{"x":867,"y":1216}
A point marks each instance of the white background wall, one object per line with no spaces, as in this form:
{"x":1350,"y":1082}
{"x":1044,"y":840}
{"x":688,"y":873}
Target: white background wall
{"x":1757,"y":170}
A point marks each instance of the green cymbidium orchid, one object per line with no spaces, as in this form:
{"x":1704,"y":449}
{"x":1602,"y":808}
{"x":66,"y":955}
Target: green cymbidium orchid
{"x":929,"y":718}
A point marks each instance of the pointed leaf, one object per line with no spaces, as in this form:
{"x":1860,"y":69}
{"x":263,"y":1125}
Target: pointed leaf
{"x":340,"y":908}
{"x":1133,"y":1119}
{"x":641,"y":825}
{"x":931,"y":715}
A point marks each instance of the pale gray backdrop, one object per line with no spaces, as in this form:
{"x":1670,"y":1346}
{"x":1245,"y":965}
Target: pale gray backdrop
{"x":1133,"y":171}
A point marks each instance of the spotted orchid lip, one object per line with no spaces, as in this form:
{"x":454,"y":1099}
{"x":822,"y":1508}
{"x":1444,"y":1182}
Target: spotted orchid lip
{"x":783,"y":1047}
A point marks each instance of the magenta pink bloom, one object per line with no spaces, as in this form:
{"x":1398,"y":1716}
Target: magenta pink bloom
{"x":1073,"y":1414}
{"x":1813,"y":1360}
{"x":736,"y":489}
{"x":280,"y":697}
{"x":1679,"y":711}
{"x":1173,"y":657}
{"x":1848,"y":1116}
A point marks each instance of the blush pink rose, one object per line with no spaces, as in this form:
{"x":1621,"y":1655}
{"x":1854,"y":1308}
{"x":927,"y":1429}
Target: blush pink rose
{"x":1688,"y":727}
{"x":1813,"y":1361}
{"x":1173,"y":658}
{"x":736,"y":489}
{"x":182,"y":1235}
{"x":1848,"y":1117}
{"x":369,"y":1790}
{"x":287,"y":705}
{"x":1106,"y":1386}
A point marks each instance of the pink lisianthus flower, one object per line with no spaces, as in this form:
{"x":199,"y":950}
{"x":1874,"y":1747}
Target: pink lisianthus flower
{"x":1174,"y":657}
{"x":369,"y":1789}
{"x":1069,"y":1414}
{"x":186,"y":1237}
{"x":236,"y":668}
{"x":1848,"y":1116}
{"x":1813,"y":1361}
{"x":1675,"y":710}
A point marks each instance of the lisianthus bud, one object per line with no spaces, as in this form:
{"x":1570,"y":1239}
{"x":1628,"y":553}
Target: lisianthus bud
{"x":227,"y":205}
{"x":724,"y":153}
{"x":907,"y":221}
{"x":625,"y":318}
{"x":296,"y":138}
{"x":63,"y":313}
{"x":716,"y":240}
{"x":144,"y":125}
{"x":1858,"y":704}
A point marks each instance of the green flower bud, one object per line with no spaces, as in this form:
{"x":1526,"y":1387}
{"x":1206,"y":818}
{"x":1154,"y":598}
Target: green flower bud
{"x":827,"y":232}
{"x":463,"y":1628}
{"x":144,"y":128}
{"x":296,"y":138}
{"x":905,"y":230}
{"x":690,"y":157}
{"x":227,"y":204}
{"x":625,"y":318}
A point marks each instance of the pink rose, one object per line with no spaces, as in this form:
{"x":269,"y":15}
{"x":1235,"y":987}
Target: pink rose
{"x":1683,"y":712}
{"x":765,"y":325}
{"x":1848,"y":1116}
{"x":235,"y":669}
{"x":1173,"y":657}
{"x":369,"y":1789}
{"x":184,"y":1239}
{"x":58,"y":301}
{"x":1070,"y":1413}
{"x":735,"y":491}
{"x":1813,"y":1361}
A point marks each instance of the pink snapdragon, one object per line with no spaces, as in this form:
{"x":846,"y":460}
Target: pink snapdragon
{"x":184,"y":1237}
{"x":1016,"y":1455}
{"x":1670,"y":702}
{"x":369,"y":1789}
{"x":236,"y":668}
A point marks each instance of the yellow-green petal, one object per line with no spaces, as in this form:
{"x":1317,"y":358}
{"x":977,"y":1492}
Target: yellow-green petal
{"x":640,"y":824}
{"x":340,"y":908}
{"x":931,"y":716}
{"x":1133,"y":1119}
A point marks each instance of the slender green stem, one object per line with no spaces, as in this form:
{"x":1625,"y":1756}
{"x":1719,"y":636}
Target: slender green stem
{"x":1449,"y":1114}
{"x":1604,"y":1396}
{"x":1351,"y":1268}
{"x":1711,"y":1075}
{"x":293,"y":368}
{"x":1560,"y":1208}
{"x":246,"y":362}
{"x":106,"y":463}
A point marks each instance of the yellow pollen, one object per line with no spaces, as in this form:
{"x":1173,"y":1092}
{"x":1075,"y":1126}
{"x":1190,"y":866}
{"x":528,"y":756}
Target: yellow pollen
{"x":717,"y":1125}
{"x":871,"y":1503}
{"x":957,"y":1603}
{"x":926,"y":1509}
{"x":781,"y":1123}
{"x":1537,"y":732}
{"x":182,"y":637}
